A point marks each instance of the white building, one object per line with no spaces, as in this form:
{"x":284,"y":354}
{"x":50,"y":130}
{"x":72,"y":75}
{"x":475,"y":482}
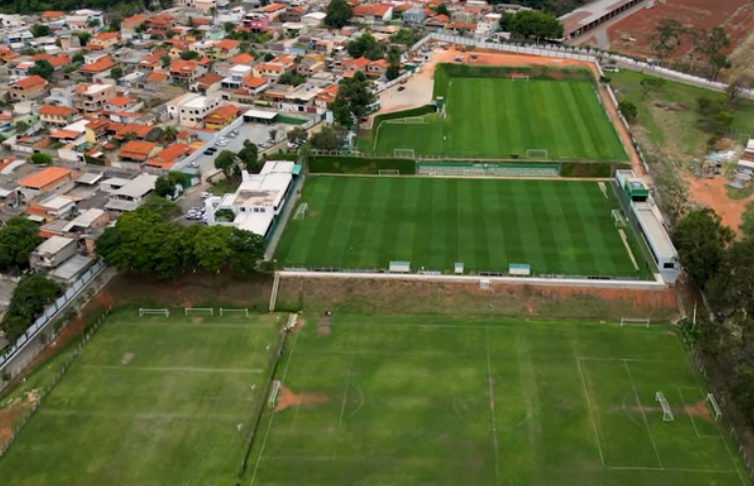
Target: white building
{"x":132,"y":194}
{"x":258,"y":200}
{"x":191,"y":108}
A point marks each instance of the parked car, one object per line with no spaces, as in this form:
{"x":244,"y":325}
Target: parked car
{"x":194,"y":164}
{"x":206,"y":195}
{"x":210,"y":151}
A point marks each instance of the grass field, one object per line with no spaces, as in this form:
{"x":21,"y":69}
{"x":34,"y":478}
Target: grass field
{"x":557,"y":227}
{"x":497,"y":117}
{"x":150,"y":401}
{"x":428,"y":400}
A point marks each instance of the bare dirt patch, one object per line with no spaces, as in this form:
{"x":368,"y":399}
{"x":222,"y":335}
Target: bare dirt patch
{"x":711,"y":193}
{"x":699,"y":409}
{"x":632,"y":34}
{"x":323,"y":324}
{"x":127,"y":358}
{"x":289,"y":399}
{"x":197,"y":320}
{"x":14,"y":410}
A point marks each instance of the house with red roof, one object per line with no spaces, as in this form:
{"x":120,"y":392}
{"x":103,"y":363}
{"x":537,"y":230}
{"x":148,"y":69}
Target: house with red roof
{"x":29,"y":88}
{"x":58,"y":116}
{"x":122,"y":103}
{"x":221,"y":117}
{"x":138,"y":151}
{"x":185,"y":71}
{"x":243,"y":59}
{"x":103,"y":40}
{"x":377,"y":68}
{"x":372,"y":14}
{"x":163,"y":160}
{"x":98,"y":69}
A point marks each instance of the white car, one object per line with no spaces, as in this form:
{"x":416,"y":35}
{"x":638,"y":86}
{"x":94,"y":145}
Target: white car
{"x":205,"y":195}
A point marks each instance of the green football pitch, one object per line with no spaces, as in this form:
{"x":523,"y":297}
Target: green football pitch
{"x":497,"y":117}
{"x":442,"y":401}
{"x":150,"y":401}
{"x":555,"y":226}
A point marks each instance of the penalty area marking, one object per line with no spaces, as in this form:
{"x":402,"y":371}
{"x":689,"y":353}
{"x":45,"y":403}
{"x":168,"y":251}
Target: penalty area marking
{"x":603,"y":188}
{"x":628,"y":248}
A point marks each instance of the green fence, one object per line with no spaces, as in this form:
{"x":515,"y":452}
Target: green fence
{"x":333,"y":164}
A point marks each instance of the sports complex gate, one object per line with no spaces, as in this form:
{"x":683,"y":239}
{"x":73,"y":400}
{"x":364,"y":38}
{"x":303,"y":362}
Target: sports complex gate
{"x":487,"y":169}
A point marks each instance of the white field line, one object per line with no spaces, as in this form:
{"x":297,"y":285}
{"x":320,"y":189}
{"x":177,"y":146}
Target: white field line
{"x":603,"y":188}
{"x":701,"y":436}
{"x":175,"y":369}
{"x":630,"y":360}
{"x":672,"y":469}
{"x":272,"y":416}
{"x":591,"y":412}
{"x":491,"y":392}
{"x":628,"y":248}
{"x":644,"y":415}
{"x":201,"y":417}
{"x":340,"y":416}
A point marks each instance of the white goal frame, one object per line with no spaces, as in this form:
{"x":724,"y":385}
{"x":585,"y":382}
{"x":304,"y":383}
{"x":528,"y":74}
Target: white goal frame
{"x":389,"y":172}
{"x":521,"y":77}
{"x":404,"y":153}
{"x":710,"y":398}
{"x":226,"y":310}
{"x":301,"y":211}
{"x":189,"y":311}
{"x":667,"y":413}
{"x":536,"y":154}
{"x":620,"y":221}
{"x":634,"y":321}
{"x":272,"y":401}
{"x":145,"y":311}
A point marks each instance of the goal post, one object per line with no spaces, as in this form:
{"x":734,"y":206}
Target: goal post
{"x":147,"y":311}
{"x":667,"y":413}
{"x":714,"y":407}
{"x":634,"y":321}
{"x":519,"y":77}
{"x":301,"y":211}
{"x":389,"y":172}
{"x":536,"y":154}
{"x":227,"y":310}
{"x":620,"y":221}
{"x":204,"y":311}
{"x":404,"y":153}
{"x":272,"y":401}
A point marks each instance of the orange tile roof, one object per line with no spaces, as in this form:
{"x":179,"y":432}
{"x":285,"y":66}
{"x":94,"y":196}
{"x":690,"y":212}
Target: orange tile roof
{"x":52,"y":13}
{"x":102,"y":64}
{"x":65,"y":134}
{"x":461,"y":25}
{"x":226,"y":44}
{"x":375,"y":10}
{"x":222,"y":113}
{"x":156,"y":77}
{"x":379,"y":62}
{"x":56,"y":61}
{"x":30,"y":82}
{"x":105,"y":35}
{"x":242,"y":58}
{"x":167,"y":156}
{"x":134,"y":20}
{"x":271,"y":66}
{"x":119,"y":100}
{"x":97,"y":123}
{"x":181,"y":66}
{"x":359,"y":63}
{"x":273,"y":7}
{"x":121,"y":129}
{"x":252,"y":81}
{"x":137,"y":150}
{"x":209,"y":79}
{"x":202,"y":21}
{"x":54,"y":110}
{"x":45,"y":177}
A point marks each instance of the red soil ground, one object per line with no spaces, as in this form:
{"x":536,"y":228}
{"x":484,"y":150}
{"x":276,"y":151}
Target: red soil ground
{"x":736,"y":16}
{"x":711,"y":193}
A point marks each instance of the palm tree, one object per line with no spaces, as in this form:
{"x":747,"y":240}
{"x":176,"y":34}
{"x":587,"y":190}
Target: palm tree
{"x":169,"y":133}
{"x":273,"y":133}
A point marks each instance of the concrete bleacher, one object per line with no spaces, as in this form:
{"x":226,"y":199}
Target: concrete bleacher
{"x":498,"y":170}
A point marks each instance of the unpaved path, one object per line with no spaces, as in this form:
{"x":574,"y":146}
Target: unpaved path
{"x":711,"y":193}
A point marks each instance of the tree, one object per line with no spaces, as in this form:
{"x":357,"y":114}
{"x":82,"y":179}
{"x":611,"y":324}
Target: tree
{"x":212,"y":247}
{"x":43,"y":68}
{"x":667,"y":37}
{"x":747,"y":221}
{"x":39,"y":30}
{"x":354,"y":97}
{"x":78,"y":58}
{"x":338,"y":13}
{"x":650,"y":84}
{"x":407,"y":37}
{"x":535,"y":24}
{"x":33,"y":293}
{"x":169,"y":133}
{"x":249,"y":155}
{"x":442,"y":9}
{"x":116,"y":72}
{"x":329,"y":138}
{"x":83,"y":36}
{"x":166,"y":210}
{"x":169,"y":34}
{"x":268,"y":56}
{"x":719,"y":62}
{"x":298,"y":134}
{"x":732,"y":289}
{"x":365,"y":45}
{"x":93,"y":23}
{"x":292,"y":78}
{"x":114,"y":24}
{"x":273,"y":132}
{"x":225,"y":161}
{"x":165,"y":60}
{"x":40,"y":158}
{"x":628,"y":110}
{"x":394,"y":64}
{"x":189,"y":55}
{"x":18,"y":237}
{"x":229,"y":27}
{"x":701,"y":241}
{"x":247,"y":249}
{"x":505,"y":21}
{"x":21,"y":127}
{"x":166,"y":185}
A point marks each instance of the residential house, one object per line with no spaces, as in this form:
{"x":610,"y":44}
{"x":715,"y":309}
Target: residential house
{"x":131,"y":194}
{"x":301,"y":99}
{"x":96,"y":131}
{"x":243,"y":59}
{"x":256,"y":22}
{"x":221,"y":117}
{"x":414,"y":16}
{"x":137,"y":151}
{"x":122,"y":103}
{"x":91,"y":97}
{"x":29,"y":88}
{"x":162,"y":22}
{"x":155,"y":80}
{"x":235,"y":77}
{"x":273,"y":11}
{"x":253,"y":84}
{"x":185,"y":71}
{"x":225,"y":49}
{"x":149,"y":63}
{"x":49,"y":16}
{"x":98,"y":69}
{"x":57,"y":115}
{"x":313,"y":19}
{"x":310,"y":67}
{"x":57,"y":61}
{"x":352,"y":66}
{"x":52,"y":253}
{"x":461,"y":28}
{"x":135,"y":131}
{"x":103,"y":40}
{"x":377,"y":68}
{"x":163,"y":160}
{"x":53,"y":207}
{"x":372,"y":14}
{"x":436,"y":23}
{"x":192,"y":111}
{"x":294,"y":14}
{"x":44,"y":180}
{"x":208,"y":82}
{"x":487,"y":25}
{"x":129,"y":25}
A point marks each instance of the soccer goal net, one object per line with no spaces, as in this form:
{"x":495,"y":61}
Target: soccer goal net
{"x":406,"y":153}
{"x":274,"y":393}
{"x":146,"y":311}
{"x":202,"y":311}
{"x":620,"y":221}
{"x":536,"y":153}
{"x":389,"y":172}
{"x":301,"y":211}
{"x":714,"y":407}
{"x":519,"y":77}
{"x":634,"y":321}
{"x":226,"y":310}
{"x":667,"y":413}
